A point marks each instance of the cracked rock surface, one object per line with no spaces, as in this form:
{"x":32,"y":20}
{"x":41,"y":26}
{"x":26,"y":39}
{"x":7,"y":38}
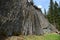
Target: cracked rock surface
{"x":21,"y":17}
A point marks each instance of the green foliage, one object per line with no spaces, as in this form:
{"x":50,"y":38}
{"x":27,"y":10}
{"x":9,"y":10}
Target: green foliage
{"x":52,"y":37}
{"x":54,"y":14}
{"x":44,"y":37}
{"x":50,"y":12}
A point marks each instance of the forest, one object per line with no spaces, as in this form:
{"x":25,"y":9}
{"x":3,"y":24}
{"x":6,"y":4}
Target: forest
{"x":53,"y":14}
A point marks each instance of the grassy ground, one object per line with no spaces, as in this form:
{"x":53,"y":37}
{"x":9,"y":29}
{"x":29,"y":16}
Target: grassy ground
{"x":44,"y":37}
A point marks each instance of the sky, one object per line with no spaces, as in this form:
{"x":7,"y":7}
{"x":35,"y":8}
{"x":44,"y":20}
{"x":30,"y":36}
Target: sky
{"x":43,"y":3}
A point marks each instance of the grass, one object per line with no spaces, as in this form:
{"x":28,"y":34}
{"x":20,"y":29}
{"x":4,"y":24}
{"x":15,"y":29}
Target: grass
{"x":44,"y":37}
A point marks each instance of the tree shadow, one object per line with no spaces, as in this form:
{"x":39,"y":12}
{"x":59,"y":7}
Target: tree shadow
{"x":2,"y":37}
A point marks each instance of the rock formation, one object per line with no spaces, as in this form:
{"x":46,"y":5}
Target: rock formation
{"x":22,"y":17}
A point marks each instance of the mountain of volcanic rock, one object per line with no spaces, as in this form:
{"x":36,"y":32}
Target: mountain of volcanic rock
{"x":23,"y":17}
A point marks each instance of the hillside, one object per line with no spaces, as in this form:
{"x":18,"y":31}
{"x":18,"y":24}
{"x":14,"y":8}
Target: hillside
{"x":22,"y":17}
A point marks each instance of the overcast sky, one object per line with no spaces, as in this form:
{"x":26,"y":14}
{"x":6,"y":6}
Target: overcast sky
{"x":43,"y":3}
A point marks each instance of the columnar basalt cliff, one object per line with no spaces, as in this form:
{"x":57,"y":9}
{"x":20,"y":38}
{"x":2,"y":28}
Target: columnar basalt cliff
{"x":22,"y":17}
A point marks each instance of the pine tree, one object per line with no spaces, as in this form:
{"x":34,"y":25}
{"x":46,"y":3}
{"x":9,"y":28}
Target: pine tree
{"x":58,"y":16}
{"x":45,"y":11}
{"x":55,"y":12}
{"x":50,"y":12}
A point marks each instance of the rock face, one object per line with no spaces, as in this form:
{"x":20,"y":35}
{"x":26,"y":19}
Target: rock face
{"x":22,"y":17}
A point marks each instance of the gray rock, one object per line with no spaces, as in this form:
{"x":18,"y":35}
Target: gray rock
{"x":20,"y":17}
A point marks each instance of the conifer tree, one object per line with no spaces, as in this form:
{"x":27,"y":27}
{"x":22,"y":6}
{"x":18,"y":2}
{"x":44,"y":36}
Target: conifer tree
{"x":50,"y":12}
